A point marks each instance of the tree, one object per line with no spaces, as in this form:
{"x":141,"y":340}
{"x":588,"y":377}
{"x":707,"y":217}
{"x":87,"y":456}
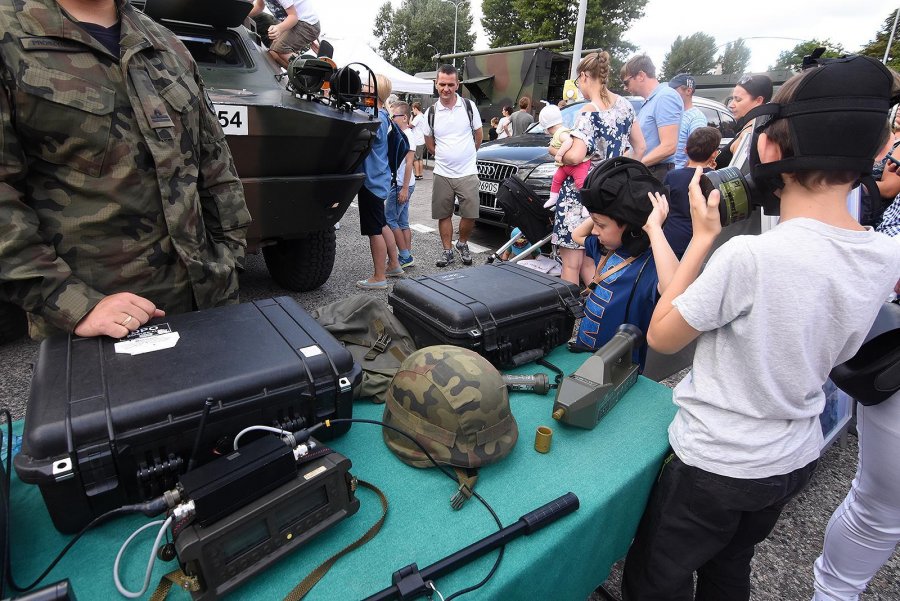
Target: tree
{"x":509,"y":22}
{"x":735,"y":58}
{"x":793,"y":58}
{"x":876,"y":47}
{"x":695,"y":54}
{"x":410,"y":35}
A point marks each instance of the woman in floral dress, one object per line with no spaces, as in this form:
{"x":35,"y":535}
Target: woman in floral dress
{"x":601,"y":131}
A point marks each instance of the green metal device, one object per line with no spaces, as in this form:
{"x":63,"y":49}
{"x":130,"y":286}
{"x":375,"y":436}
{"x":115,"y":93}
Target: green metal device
{"x":584,"y":397}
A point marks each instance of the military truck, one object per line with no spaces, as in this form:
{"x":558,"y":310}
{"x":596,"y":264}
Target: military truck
{"x":296,"y":153}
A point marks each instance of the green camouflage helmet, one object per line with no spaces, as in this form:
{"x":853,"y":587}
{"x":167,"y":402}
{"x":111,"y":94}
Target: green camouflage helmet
{"x":455,"y":403}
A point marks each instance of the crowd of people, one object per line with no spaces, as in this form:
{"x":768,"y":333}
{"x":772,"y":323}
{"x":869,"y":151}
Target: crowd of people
{"x":99,"y":250}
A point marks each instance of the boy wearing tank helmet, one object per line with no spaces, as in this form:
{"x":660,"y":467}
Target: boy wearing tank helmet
{"x":746,"y":436}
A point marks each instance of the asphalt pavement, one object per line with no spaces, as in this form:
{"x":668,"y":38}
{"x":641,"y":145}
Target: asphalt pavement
{"x":782,"y":568}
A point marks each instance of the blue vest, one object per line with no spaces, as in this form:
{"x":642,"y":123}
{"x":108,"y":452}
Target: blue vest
{"x":627,"y":296}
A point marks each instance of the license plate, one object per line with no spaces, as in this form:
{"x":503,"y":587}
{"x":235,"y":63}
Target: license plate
{"x":489,"y":187}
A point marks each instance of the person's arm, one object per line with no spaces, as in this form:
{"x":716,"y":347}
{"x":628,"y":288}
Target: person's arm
{"x":289,"y":21}
{"x":32,"y":275}
{"x":564,"y":147}
{"x":429,"y":135}
{"x":663,"y":255}
{"x":476,"y":125}
{"x":403,"y":192}
{"x":668,"y":141}
{"x":580,"y":233}
{"x":225,"y":214}
{"x":669,"y":332}
{"x":258,"y":6}
{"x":636,"y":141}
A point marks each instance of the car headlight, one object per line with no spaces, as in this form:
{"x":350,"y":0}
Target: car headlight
{"x":544,"y":171}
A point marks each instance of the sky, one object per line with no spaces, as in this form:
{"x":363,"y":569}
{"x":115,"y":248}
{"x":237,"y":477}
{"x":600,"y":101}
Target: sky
{"x":852,"y":23}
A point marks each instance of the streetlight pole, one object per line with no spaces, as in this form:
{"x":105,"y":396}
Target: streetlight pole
{"x":455,"y":20}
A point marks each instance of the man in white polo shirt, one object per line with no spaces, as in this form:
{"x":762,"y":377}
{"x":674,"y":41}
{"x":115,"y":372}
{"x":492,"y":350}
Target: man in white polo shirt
{"x":453,"y":133}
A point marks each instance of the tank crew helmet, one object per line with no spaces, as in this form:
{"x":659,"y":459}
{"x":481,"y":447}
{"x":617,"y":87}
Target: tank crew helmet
{"x":456,"y":405}
{"x":619,"y":188}
{"x":837,"y":122}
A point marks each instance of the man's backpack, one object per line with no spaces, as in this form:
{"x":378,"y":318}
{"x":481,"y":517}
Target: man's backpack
{"x":376,"y":339}
{"x":398,"y":147}
{"x":469,"y":111}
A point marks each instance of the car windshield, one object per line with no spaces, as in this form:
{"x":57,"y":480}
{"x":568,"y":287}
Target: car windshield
{"x":570,"y":112}
{"x":568,"y":116}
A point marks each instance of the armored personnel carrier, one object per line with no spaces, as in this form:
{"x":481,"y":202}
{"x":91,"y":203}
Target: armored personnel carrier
{"x":296,"y":150}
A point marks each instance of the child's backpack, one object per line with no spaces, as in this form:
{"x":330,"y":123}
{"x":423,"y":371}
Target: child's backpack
{"x":398,"y":146}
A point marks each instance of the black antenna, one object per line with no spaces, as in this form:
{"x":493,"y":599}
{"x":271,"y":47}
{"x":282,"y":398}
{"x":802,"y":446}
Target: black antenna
{"x":207,"y":405}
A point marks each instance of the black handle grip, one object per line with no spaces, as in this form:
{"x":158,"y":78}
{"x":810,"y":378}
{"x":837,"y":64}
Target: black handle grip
{"x":527,"y":357}
{"x":549,"y":513}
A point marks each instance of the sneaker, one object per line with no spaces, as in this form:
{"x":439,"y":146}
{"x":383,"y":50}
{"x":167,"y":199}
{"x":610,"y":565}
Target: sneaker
{"x":463,"y":250}
{"x":447,"y":258}
{"x":407,"y":262}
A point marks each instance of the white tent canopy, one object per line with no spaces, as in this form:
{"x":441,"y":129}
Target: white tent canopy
{"x":352,"y":51}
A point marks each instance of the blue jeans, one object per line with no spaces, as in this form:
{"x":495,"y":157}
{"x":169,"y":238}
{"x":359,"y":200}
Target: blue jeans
{"x":395,"y":213}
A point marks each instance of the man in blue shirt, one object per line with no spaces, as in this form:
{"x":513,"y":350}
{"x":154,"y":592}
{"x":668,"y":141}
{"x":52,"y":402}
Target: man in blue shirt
{"x":692,"y":119}
{"x":659,"y":118}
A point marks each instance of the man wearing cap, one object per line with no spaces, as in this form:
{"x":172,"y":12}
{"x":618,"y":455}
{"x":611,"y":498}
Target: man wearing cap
{"x":659,"y":118}
{"x":691,"y":119}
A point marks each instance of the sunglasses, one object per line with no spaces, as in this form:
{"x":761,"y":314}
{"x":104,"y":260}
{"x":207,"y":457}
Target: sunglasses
{"x":745,"y":80}
{"x":627,"y":79}
{"x":397,"y":116}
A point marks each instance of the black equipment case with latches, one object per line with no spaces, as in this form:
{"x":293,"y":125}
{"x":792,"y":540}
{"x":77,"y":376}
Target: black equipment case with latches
{"x":508,"y":313}
{"x":105,"y":428}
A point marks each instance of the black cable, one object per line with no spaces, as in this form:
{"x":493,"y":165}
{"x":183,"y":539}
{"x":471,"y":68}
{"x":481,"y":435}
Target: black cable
{"x":557,"y":380}
{"x":146,"y":508}
{"x":447,"y":473}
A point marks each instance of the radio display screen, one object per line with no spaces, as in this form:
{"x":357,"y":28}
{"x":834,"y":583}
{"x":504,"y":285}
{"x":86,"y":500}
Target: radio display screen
{"x":242,"y":541}
{"x":291,"y":513}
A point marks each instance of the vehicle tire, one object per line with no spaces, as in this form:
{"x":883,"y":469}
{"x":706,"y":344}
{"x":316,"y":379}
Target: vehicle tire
{"x":13,"y":324}
{"x":303,"y":264}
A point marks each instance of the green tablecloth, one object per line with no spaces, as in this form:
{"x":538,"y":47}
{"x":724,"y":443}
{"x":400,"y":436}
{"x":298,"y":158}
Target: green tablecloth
{"x":610,"y":468}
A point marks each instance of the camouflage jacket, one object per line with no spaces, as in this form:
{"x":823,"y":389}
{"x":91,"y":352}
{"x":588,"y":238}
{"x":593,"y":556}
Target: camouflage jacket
{"x":114,"y":174}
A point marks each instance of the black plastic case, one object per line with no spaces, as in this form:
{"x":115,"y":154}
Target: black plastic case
{"x":506,"y":312}
{"x":105,"y":429}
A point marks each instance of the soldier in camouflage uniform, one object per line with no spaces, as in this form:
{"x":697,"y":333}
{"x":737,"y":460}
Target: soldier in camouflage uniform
{"x":118,"y":194}
{"x":456,"y":405}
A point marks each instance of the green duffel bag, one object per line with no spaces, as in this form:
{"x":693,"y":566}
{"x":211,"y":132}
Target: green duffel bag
{"x":375,"y":338}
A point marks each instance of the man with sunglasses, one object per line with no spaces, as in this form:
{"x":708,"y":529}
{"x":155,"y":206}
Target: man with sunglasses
{"x":659,"y":118}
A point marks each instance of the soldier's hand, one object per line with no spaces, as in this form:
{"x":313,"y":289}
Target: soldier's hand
{"x":117,"y":315}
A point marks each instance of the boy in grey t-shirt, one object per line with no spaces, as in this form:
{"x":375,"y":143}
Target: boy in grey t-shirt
{"x":772,"y":314}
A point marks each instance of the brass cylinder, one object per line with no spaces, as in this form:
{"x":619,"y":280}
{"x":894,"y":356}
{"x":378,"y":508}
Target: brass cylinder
{"x":559,"y":413}
{"x":542,"y":439}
